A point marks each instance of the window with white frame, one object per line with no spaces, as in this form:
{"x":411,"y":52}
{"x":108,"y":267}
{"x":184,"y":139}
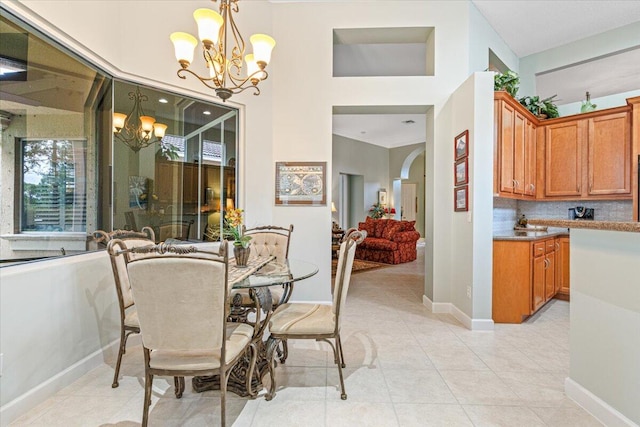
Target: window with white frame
{"x":53,"y":183}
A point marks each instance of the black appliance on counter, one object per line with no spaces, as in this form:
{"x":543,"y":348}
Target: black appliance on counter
{"x":580,"y":212}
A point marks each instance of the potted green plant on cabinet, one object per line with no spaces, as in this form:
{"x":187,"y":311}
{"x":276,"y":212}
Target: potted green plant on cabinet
{"x":508,"y":82}
{"x":541,"y":108}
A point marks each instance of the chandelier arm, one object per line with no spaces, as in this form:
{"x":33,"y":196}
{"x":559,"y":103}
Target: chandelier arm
{"x":211,"y":59}
{"x":205,"y":80}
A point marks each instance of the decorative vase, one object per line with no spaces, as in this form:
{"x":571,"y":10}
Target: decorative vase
{"x":242,"y":255}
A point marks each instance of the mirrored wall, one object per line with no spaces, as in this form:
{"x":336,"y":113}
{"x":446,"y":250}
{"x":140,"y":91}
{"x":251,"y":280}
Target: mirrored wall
{"x":81,"y":151}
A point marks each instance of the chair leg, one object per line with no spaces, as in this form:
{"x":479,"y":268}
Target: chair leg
{"x":224,"y":377}
{"x":343,"y":395}
{"x":148,"y":382}
{"x":284,"y":352}
{"x":123,"y":343}
{"x":339,"y":341}
{"x":178,"y":383}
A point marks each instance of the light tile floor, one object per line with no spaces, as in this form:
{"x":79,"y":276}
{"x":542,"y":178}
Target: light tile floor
{"x":405,"y":367}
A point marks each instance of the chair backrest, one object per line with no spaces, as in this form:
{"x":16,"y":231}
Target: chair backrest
{"x":343,"y":272}
{"x":270,"y":240}
{"x":181,"y":297}
{"x":174,"y":230}
{"x":119,"y":258}
{"x":104,"y":237}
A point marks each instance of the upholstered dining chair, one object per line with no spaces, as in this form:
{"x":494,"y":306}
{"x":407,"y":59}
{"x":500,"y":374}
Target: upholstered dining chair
{"x":122,"y":239}
{"x":178,"y":230}
{"x":271,"y":240}
{"x":316,"y":321}
{"x":181,"y":295}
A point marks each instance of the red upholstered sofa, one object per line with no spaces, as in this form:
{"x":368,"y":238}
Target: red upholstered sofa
{"x":388,"y":241}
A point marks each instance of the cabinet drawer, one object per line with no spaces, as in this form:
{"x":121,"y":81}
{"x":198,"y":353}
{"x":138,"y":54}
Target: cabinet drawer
{"x":539,"y":249}
{"x":550,"y":245}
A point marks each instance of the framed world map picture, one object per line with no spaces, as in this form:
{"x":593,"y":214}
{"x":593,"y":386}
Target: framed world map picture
{"x":301,"y":183}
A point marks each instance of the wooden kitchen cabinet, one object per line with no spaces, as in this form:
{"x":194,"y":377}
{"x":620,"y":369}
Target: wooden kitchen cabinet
{"x":190,"y":183}
{"x":515,"y":148}
{"x":563,"y":158}
{"x":525,"y":276}
{"x":609,"y":156}
{"x":167,"y":178}
{"x":588,"y":158}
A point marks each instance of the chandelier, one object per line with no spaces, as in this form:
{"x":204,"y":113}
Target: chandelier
{"x":135,"y":129}
{"x":224,"y":61}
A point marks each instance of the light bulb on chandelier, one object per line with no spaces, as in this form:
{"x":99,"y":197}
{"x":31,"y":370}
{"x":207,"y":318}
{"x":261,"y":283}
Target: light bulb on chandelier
{"x":226,"y":75}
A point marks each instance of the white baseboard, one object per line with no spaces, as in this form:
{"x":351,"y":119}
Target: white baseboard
{"x":449,"y":308}
{"x":29,"y":400}
{"x":597,"y":407}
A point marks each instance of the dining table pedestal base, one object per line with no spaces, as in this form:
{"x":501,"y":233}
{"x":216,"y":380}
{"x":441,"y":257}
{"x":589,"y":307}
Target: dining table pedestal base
{"x":238,"y":376}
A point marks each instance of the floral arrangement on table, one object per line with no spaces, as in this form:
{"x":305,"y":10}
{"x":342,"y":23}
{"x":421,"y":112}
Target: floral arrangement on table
{"x":377,"y":211}
{"x":233,"y":227}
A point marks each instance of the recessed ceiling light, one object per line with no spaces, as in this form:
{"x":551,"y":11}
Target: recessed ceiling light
{"x":408,"y":122}
{"x":363,"y":132}
{"x":206,"y":113}
{"x":163,"y":101}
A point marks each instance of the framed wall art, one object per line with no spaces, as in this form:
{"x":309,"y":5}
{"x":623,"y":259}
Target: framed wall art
{"x":461,"y":145}
{"x":301,"y":183}
{"x":461,"y":172}
{"x":382,"y":197}
{"x":461,"y":198}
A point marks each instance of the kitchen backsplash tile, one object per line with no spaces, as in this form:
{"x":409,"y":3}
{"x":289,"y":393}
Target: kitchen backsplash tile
{"x":605,"y":210}
{"x":506,"y":211}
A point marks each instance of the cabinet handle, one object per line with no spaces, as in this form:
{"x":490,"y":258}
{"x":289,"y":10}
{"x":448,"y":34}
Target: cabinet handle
{"x":590,"y":186}
{"x":533,"y":187}
{"x":557,"y":246}
{"x":546,"y":265}
{"x":515,"y":183}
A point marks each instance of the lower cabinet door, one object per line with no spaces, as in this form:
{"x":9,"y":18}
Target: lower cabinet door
{"x":539,"y":273}
{"x":550,"y":276}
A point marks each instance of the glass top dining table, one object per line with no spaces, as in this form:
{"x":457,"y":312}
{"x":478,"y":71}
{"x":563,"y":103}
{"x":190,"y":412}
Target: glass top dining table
{"x":275,"y":273}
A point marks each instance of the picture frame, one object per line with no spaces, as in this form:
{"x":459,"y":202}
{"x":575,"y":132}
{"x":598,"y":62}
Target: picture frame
{"x":461,"y":199}
{"x":300,"y":183}
{"x":461,"y":145}
{"x":382,"y":198}
{"x":461,"y":172}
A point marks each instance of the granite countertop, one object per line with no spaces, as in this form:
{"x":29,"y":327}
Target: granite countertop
{"x":529,"y":235}
{"x":633,"y":227}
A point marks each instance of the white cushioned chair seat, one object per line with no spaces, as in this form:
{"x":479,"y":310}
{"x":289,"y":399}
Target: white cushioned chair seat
{"x":131,"y":318}
{"x":302,"y":319}
{"x":238,"y":336}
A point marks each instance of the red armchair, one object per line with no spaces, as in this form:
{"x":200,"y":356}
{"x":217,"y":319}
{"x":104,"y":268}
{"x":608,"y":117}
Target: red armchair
{"x":388,"y":241}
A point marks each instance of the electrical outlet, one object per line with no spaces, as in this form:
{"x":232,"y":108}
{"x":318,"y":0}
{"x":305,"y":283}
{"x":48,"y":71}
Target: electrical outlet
{"x":468,"y":291}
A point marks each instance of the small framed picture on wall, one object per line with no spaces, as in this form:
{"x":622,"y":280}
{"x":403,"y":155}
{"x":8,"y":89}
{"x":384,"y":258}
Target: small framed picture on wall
{"x":461,"y":199}
{"x":461,"y":172}
{"x":382,"y":197}
{"x":461,"y":145}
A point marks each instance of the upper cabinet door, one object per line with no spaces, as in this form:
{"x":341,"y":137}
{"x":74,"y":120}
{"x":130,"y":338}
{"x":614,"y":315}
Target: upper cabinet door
{"x":519,"y":153}
{"x":609,"y":155}
{"x":563,"y":158}
{"x":506,"y":149}
{"x":530,"y":165}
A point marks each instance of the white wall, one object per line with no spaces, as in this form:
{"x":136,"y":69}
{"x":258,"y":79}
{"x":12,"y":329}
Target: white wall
{"x":605,"y":324}
{"x":354,"y":157}
{"x":465,"y":259}
{"x":54,"y":314}
{"x":483,"y":37}
{"x":570,"y":53}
